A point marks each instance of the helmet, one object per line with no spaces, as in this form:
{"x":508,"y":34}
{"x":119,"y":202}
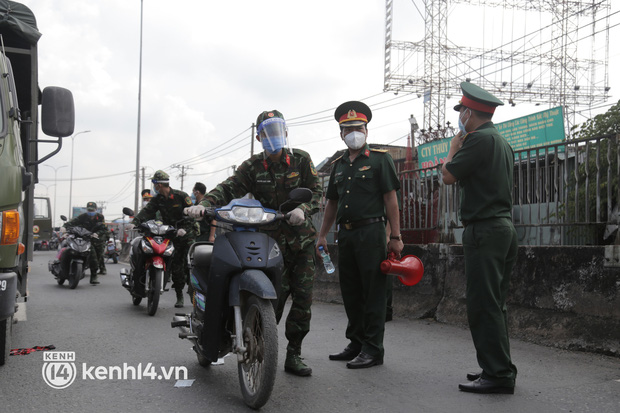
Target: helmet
{"x":160,"y":177}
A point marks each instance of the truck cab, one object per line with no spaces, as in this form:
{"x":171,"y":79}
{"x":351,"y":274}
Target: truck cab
{"x":20,"y":99}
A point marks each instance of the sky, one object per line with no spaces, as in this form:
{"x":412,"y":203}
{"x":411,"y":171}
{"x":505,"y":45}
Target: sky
{"x":208,"y":69}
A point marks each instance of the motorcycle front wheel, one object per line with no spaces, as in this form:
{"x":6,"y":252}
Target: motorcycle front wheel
{"x":115,"y":259}
{"x":75,"y":274}
{"x":156,"y":276}
{"x":257,"y":370}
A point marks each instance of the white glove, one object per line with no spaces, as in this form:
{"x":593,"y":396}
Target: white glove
{"x":181,"y":232}
{"x":96,"y":236}
{"x":296,"y":217}
{"x":195,"y":212}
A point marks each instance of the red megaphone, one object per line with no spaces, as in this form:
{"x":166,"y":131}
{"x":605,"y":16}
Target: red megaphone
{"x":408,"y":269}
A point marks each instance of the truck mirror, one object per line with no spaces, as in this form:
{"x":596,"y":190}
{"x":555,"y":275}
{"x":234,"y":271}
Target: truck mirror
{"x":57,"y":112}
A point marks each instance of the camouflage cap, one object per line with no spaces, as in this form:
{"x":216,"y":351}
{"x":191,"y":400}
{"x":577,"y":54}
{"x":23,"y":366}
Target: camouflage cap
{"x":91,"y":206}
{"x":268,"y":114}
{"x":160,"y":177}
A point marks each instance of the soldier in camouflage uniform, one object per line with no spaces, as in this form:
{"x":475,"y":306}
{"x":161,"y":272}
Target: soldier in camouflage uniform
{"x":269,"y":177}
{"x":95,"y":223}
{"x":170,"y":204}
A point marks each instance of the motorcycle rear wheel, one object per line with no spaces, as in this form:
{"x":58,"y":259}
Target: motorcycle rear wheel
{"x":75,"y":274}
{"x":154,"y":291}
{"x":115,"y":259}
{"x":257,"y":371}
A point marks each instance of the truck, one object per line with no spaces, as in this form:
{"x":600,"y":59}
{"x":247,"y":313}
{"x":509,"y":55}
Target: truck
{"x":20,"y":98}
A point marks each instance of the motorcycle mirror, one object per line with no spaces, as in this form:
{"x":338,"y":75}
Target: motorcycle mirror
{"x":128,"y":211}
{"x":301,"y":195}
{"x":64,"y":218}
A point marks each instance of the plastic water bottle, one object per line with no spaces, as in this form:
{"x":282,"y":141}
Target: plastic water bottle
{"x":327,"y":262}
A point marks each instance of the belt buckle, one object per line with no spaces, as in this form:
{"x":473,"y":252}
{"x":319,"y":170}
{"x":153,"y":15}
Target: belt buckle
{"x":348,"y":226}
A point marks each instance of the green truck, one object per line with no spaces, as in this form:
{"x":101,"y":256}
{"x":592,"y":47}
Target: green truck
{"x":20,"y":98}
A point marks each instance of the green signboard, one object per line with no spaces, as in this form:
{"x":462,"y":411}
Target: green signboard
{"x":531,"y":131}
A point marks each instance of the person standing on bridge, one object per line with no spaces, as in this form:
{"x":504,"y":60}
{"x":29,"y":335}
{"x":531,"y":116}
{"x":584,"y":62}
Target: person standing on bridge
{"x":482,"y":162}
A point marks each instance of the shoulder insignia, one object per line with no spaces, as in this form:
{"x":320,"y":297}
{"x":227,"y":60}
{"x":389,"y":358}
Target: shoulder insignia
{"x":364,"y":168}
{"x":379,"y":150}
{"x":292,"y":174}
{"x":188,"y":201}
{"x":312,"y":169}
{"x":337,"y":159}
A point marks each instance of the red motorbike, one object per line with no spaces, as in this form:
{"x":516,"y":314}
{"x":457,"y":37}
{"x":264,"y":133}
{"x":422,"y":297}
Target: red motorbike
{"x":149,"y":256}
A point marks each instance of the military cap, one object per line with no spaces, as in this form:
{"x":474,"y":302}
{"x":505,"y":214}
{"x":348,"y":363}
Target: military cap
{"x":91,"y":206}
{"x":268,"y":114}
{"x":160,"y":177}
{"x":476,"y":98}
{"x":353,"y":113}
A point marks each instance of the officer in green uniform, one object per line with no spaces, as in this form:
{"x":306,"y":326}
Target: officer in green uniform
{"x":269,"y":177}
{"x":95,"y":223}
{"x":170,"y":204}
{"x":360,"y":195}
{"x":482,"y":162}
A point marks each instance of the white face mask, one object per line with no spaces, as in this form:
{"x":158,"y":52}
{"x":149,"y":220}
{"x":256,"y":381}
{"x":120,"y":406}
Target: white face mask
{"x":355,"y":140}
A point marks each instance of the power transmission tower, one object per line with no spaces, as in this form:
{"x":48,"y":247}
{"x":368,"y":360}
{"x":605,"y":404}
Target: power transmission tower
{"x":183,"y":173}
{"x":544,"y":66}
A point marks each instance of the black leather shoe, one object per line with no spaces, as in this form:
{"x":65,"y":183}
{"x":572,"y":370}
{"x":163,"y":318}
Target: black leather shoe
{"x":349,"y":353}
{"x":485,"y":386}
{"x":473,"y":376}
{"x":364,"y":360}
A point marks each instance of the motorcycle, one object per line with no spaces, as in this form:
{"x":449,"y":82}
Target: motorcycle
{"x":54,"y":241}
{"x":235,"y":281}
{"x":73,"y":255}
{"x":113,"y":248}
{"x":149,"y":256}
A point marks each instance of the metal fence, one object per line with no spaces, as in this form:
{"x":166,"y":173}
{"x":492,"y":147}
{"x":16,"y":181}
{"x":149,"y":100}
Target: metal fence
{"x":564,"y":194}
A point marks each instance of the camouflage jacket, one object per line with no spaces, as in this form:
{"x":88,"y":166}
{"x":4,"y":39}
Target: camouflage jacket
{"x":270,"y":183}
{"x":171,"y":210}
{"x":95,"y":224}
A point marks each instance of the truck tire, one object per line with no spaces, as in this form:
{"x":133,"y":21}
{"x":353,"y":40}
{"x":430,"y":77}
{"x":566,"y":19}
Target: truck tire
{"x":6,"y":328}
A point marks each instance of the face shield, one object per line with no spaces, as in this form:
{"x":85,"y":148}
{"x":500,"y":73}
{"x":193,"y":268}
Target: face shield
{"x":272,"y":133}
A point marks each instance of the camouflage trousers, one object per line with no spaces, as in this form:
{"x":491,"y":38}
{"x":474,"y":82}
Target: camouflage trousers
{"x":95,"y":257}
{"x":179,"y":270}
{"x":297,"y":282}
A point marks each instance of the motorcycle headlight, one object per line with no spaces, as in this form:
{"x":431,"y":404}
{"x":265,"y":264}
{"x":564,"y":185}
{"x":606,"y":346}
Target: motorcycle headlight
{"x":246,"y":215}
{"x":146,"y":247}
{"x":169,"y":250}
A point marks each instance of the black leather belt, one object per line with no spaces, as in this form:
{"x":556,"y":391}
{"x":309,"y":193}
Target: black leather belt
{"x":362,"y":222}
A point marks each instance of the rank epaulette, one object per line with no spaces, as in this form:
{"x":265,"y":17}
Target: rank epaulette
{"x":337,"y":159}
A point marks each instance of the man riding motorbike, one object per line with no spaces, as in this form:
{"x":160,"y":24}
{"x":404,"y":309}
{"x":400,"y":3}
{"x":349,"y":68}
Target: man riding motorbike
{"x":95,"y":223}
{"x":170,"y":204}
{"x":269,"y":177}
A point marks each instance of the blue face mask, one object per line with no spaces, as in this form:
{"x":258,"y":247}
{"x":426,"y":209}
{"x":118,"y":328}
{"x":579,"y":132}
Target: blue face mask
{"x":91,"y":213}
{"x":193,"y":197}
{"x":274,"y":144}
{"x":154,"y":191}
{"x":462,"y":125}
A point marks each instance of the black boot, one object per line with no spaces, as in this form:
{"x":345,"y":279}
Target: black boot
{"x":179,"y":302}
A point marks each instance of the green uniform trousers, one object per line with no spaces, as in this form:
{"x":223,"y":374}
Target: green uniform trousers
{"x":363,"y":285}
{"x":490,"y":248}
{"x":297,"y":281}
